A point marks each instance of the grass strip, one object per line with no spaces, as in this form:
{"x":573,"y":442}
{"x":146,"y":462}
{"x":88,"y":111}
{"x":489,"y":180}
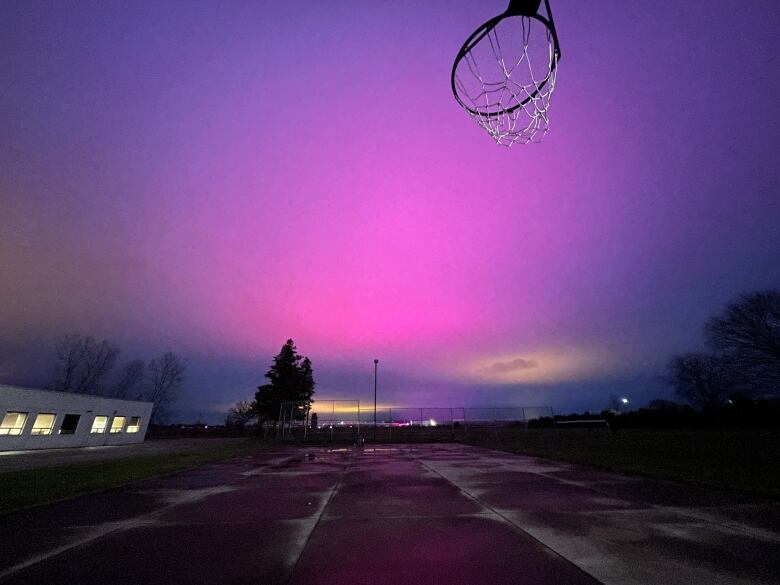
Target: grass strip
{"x":33,"y":487}
{"x":729,"y":459}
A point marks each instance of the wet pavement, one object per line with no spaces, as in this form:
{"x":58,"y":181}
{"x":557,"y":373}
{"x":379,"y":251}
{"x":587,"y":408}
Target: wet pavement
{"x":423,"y":513}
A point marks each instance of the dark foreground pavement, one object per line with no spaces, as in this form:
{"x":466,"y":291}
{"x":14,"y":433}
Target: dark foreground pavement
{"x":426,"y":514}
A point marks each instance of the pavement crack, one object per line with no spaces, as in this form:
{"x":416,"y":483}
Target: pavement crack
{"x":114,"y":527}
{"x":319,"y":515}
{"x":505,"y":520}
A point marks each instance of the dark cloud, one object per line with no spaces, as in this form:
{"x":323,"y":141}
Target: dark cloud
{"x":514,"y":365}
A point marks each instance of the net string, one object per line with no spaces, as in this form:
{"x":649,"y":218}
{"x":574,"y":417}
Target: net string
{"x":526,"y":122}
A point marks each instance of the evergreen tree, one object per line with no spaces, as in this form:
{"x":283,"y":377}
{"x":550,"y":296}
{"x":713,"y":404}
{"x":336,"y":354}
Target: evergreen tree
{"x":290,"y":379}
{"x":306,"y":389}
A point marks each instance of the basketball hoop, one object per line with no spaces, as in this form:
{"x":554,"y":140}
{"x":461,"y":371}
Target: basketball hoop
{"x":504,"y":74}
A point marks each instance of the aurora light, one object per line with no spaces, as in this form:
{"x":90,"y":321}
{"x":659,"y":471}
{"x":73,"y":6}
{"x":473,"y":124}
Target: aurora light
{"x":216,"y":178}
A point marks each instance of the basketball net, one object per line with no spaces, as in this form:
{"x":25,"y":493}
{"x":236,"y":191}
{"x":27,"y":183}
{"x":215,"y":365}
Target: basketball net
{"x":506,"y":86}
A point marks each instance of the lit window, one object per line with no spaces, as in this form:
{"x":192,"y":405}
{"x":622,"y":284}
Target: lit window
{"x":117,"y":424}
{"x":99,"y":425}
{"x":135,"y":424}
{"x":43,"y":424}
{"x":69,"y":424}
{"x":13,"y":423}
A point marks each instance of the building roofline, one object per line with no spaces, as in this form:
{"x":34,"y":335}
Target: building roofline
{"x":92,"y":396}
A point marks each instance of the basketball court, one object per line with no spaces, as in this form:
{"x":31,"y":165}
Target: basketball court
{"x":444,"y":513}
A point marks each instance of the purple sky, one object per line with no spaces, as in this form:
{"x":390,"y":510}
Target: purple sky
{"x":215,"y":177}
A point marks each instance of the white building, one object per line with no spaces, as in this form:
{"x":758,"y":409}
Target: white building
{"x":39,"y":419}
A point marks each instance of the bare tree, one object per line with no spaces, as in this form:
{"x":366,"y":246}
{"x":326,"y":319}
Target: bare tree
{"x":70,"y":353}
{"x":128,"y":379}
{"x":239,"y":414}
{"x":83,"y":364}
{"x":164,"y":376}
{"x":99,"y":360}
{"x":699,"y":378}
{"x":746,"y":335}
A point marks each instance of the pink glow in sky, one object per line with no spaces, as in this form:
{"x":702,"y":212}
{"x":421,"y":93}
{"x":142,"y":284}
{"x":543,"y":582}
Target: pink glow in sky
{"x":215,"y":178}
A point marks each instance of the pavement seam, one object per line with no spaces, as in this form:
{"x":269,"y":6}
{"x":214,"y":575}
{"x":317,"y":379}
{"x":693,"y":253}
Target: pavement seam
{"x":707,"y":520}
{"x":108,"y":528}
{"x":111,"y":528}
{"x":509,"y":522}
{"x":317,"y":522}
{"x":692,"y":513}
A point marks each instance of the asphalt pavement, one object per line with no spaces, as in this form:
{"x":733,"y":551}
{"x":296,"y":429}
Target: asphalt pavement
{"x":444,"y":513}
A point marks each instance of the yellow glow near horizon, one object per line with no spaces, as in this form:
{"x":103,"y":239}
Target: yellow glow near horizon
{"x":325,"y":406}
{"x":538,"y":367}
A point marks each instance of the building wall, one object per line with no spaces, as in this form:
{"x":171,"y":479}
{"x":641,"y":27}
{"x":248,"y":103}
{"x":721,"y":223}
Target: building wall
{"x":34,"y":402}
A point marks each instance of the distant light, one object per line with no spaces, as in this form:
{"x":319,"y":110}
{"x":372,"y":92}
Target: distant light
{"x":624,"y":400}
{"x":433,"y":423}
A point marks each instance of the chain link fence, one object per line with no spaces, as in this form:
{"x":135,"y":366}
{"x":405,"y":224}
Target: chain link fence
{"x":349,"y":421}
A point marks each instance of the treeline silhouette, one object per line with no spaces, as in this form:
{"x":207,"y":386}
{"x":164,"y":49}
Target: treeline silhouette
{"x":743,"y":357}
{"x":738,"y":412}
{"x":86,"y":365}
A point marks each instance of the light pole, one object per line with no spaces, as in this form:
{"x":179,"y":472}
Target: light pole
{"x":376,"y":366}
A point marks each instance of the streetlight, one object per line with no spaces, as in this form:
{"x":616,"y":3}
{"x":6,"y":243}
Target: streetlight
{"x":376,"y":366}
